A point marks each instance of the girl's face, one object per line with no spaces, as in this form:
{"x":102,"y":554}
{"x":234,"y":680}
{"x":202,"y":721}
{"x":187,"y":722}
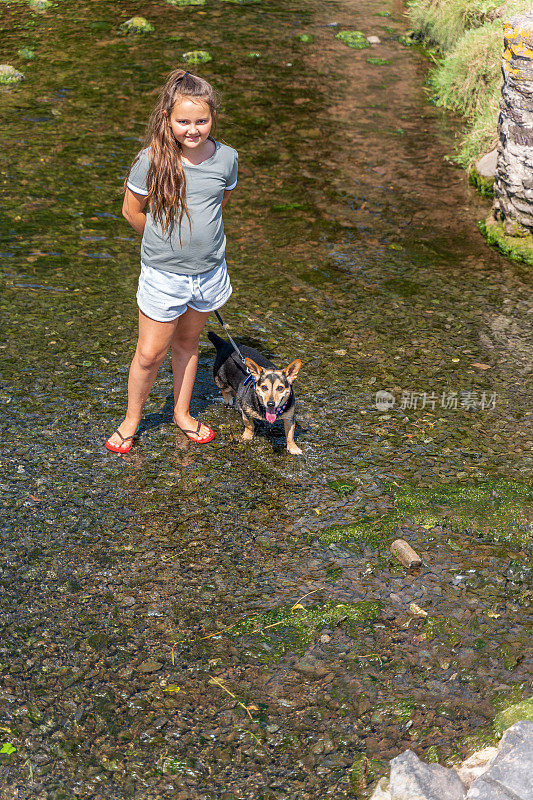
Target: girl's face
{"x":191,"y":121}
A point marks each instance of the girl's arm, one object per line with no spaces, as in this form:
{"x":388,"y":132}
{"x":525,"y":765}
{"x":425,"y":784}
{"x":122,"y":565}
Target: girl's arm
{"x":133,"y":210}
{"x":226,"y":197}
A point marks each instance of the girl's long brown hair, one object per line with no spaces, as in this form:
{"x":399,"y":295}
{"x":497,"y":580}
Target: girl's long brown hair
{"x":166,"y":176}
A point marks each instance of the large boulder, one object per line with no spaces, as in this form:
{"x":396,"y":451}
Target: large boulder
{"x":510,"y":773}
{"x":476,"y":764}
{"x":412,"y":779}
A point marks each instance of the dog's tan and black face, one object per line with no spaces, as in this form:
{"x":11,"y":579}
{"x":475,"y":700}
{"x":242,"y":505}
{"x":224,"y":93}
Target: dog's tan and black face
{"x":273,"y":386}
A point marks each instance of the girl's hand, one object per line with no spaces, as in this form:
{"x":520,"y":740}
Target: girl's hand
{"x":133,"y":210}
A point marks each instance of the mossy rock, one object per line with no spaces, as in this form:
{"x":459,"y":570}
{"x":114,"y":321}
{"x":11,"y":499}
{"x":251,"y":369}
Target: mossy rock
{"x":136,"y":25}
{"x":197,"y":57}
{"x":517,"y":248}
{"x":27,"y":53}
{"x":408,"y":39}
{"x":306,"y":38}
{"x":483,"y":185}
{"x":378,"y":62}
{"x":522,"y":710}
{"x":40,"y":5}
{"x":9,"y":75}
{"x":185,"y":3}
{"x":355,"y":39}
{"x":254,"y":55}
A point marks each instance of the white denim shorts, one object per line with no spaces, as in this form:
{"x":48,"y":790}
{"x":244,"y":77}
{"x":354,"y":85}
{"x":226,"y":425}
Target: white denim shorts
{"x":165,"y":296}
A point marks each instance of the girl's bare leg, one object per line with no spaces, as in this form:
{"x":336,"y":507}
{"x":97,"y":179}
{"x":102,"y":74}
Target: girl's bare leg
{"x":184,"y":365}
{"x":152,"y":347}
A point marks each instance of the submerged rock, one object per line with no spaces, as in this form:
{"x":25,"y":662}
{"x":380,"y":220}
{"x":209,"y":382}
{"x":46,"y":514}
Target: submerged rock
{"x":412,"y":778}
{"x":27,"y":53}
{"x":355,"y":39}
{"x":136,"y":25}
{"x":373,"y":40}
{"x":197,"y":56}
{"x":40,"y":5}
{"x":519,"y":711}
{"x":9,"y":75}
{"x":184,"y":3}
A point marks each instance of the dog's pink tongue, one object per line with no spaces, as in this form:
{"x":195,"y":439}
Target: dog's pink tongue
{"x":271,"y":417}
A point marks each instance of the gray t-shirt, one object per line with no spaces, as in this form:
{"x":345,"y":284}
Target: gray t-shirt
{"x":202,"y":246}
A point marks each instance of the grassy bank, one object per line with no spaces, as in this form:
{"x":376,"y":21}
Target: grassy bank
{"x":467,"y":79}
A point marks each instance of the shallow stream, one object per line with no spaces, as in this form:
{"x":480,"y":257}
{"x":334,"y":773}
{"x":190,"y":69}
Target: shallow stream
{"x":228,"y":621}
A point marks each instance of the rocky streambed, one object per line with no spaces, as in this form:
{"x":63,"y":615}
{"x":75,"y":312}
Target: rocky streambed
{"x":229,"y":622}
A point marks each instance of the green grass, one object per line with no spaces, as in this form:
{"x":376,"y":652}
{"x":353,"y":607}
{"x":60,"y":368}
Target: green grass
{"x":469,"y":35}
{"x":443,"y":22}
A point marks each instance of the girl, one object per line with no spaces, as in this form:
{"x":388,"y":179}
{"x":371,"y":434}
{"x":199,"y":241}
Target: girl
{"x":174,"y":196}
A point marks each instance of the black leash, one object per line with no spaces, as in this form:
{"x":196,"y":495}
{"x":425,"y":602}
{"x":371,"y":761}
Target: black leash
{"x":250,"y":376}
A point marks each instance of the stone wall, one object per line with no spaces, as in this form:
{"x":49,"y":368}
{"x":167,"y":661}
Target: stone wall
{"x":513,"y":186}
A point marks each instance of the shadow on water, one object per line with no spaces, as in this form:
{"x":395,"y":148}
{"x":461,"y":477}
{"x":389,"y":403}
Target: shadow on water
{"x":228,"y":622}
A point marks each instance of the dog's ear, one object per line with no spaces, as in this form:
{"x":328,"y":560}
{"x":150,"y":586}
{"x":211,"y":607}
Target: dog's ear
{"x":254,"y":368}
{"x":292,"y":370}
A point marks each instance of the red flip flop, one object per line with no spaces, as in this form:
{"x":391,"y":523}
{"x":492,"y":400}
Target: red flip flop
{"x":120,"y":448}
{"x":204,"y":439}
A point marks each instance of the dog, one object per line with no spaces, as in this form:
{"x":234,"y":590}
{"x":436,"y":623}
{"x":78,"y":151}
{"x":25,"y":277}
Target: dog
{"x":262,"y":392}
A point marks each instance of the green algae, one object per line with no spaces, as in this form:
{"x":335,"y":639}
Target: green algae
{"x":186,"y":3}
{"x":26,"y":53}
{"x":355,"y":39}
{"x":289,"y":206}
{"x":483,"y":186}
{"x":517,"y":248}
{"x":367,"y":534}
{"x":341,"y":487}
{"x":378,"y":62}
{"x":294,"y":628}
{"x":496,"y":510}
{"x":444,"y":629}
{"x":306,"y":38}
{"x":504,"y":719}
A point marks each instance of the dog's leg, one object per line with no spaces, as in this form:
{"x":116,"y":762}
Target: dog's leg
{"x":227,"y":394}
{"x":248,"y":433}
{"x":290,"y":424}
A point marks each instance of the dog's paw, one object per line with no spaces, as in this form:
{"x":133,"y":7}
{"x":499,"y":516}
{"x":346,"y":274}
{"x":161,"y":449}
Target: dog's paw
{"x":294,"y":450}
{"x":247,"y":436}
